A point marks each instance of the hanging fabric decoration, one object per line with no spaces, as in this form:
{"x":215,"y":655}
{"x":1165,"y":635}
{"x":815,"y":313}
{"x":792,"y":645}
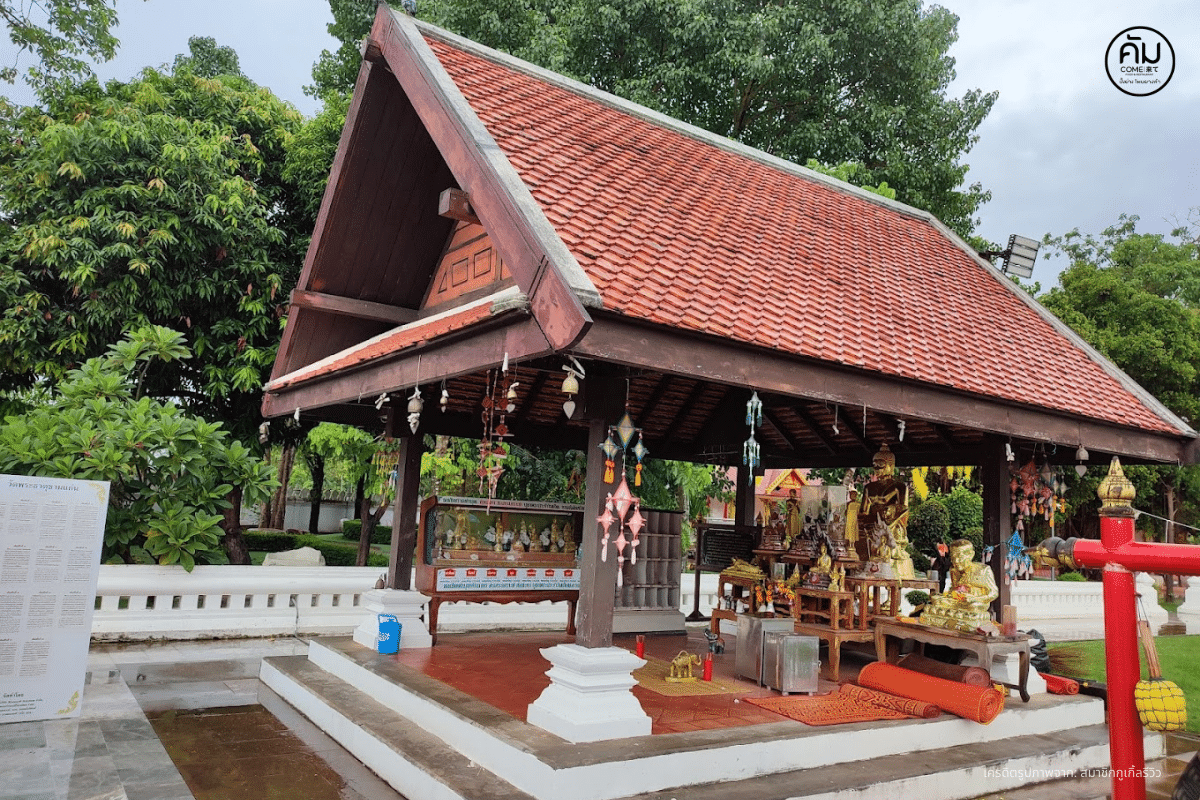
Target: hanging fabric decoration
{"x":751,"y":450}
{"x":499,"y":394}
{"x":622,"y":507}
{"x":1017,"y":564}
{"x":610,"y":449}
{"x":625,"y":509}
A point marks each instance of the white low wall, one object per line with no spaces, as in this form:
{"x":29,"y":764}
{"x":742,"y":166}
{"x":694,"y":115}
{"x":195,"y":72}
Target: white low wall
{"x":155,"y":602}
{"x":151,"y":602}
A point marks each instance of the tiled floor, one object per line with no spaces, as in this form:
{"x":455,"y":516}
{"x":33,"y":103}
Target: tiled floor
{"x":511,"y":678}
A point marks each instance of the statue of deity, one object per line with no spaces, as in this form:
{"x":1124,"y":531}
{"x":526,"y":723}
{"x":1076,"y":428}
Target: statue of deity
{"x":884,"y":500}
{"x":795,"y":517}
{"x":851,"y":529}
{"x":964,"y":606}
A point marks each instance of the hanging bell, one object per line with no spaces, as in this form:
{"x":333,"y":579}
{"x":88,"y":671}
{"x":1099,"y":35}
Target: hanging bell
{"x":415,"y":406}
{"x":512,"y":397}
{"x":445,"y":401}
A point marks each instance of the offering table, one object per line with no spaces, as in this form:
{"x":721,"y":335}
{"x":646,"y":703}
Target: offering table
{"x":889,"y":633}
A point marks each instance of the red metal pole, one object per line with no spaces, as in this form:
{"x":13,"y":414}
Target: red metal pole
{"x":1126,"y":751}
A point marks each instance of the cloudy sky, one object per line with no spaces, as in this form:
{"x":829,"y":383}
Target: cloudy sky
{"x":1062,"y":148}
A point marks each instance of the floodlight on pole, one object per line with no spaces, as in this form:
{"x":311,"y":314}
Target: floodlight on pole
{"x":1018,"y":257}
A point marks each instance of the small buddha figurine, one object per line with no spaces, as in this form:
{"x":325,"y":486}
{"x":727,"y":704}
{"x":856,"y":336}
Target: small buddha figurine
{"x":824,"y":563}
{"x":836,"y":578}
{"x":964,"y":606}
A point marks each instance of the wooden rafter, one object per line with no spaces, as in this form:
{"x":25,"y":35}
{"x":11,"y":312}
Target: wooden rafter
{"x":352,"y":307}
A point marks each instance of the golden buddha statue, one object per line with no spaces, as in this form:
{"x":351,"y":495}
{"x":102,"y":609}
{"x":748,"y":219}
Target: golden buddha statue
{"x":884,"y":499}
{"x":964,"y":607}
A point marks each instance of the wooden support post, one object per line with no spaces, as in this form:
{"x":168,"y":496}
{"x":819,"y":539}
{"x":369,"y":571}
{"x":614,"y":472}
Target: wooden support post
{"x":597,"y":579}
{"x":997,"y":519}
{"x":404,"y":512}
{"x":744,"y":502}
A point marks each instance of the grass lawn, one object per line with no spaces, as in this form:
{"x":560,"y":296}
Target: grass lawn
{"x":1177,"y":654}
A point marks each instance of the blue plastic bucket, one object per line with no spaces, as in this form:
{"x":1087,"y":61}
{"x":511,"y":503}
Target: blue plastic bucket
{"x":389,"y":633}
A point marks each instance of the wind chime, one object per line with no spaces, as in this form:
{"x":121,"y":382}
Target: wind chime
{"x":750,"y":450}
{"x":499,"y":401}
{"x":621,"y":506}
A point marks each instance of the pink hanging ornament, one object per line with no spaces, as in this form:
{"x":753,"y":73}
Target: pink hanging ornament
{"x":622,"y":498}
{"x":606,"y":520}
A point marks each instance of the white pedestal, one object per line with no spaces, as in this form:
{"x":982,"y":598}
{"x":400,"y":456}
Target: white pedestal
{"x":407,"y":606}
{"x":588,"y":698}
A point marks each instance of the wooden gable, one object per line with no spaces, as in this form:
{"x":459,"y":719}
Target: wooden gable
{"x":470,"y":267}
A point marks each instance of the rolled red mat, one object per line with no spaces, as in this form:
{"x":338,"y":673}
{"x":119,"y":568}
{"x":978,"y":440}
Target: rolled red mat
{"x":974,"y":676}
{"x":970,"y":702}
{"x":1057,"y":684}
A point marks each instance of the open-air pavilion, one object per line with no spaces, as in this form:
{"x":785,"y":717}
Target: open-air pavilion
{"x":483,"y":212}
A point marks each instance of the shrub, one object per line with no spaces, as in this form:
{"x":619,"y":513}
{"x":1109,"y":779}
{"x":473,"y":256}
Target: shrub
{"x":928,"y":524}
{"x":916,"y":598}
{"x":1074,"y":577}
{"x":966,"y":512}
{"x":352,"y":530}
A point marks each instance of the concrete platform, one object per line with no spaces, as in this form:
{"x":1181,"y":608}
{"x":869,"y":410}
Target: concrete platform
{"x":430,"y":740}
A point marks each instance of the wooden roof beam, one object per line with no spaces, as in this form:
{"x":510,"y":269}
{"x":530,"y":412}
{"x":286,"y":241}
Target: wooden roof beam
{"x":456,"y":204}
{"x":772,"y":419}
{"x":351,"y":307}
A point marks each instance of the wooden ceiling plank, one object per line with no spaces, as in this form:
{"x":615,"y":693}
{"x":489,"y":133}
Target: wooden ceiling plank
{"x":814,"y":427}
{"x":772,"y":419}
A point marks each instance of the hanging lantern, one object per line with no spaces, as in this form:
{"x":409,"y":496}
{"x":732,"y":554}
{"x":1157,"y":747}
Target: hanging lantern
{"x":610,"y":449}
{"x":639,"y":452}
{"x":625,"y":430}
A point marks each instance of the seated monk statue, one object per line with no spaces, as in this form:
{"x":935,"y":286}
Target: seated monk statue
{"x":964,"y":607}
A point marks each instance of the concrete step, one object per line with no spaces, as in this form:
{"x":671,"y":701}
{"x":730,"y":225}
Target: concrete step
{"x":414,"y":731}
{"x":413,"y":761}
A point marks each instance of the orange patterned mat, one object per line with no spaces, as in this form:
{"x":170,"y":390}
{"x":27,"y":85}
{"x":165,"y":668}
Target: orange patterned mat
{"x":849,"y":704}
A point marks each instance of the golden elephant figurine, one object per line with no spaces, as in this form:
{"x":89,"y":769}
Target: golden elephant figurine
{"x":681,"y":666}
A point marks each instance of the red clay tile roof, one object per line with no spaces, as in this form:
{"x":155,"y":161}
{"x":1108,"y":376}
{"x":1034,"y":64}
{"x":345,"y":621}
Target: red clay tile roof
{"x":390,"y":343}
{"x":676,"y":231}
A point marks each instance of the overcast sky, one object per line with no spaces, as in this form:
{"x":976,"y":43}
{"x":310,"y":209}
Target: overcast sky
{"x":1062,"y":147}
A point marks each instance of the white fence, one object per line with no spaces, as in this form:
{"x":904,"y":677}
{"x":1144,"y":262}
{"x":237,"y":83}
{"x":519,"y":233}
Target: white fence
{"x":152,"y":602}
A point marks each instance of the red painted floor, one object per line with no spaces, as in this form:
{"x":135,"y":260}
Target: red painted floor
{"x":506,"y":670}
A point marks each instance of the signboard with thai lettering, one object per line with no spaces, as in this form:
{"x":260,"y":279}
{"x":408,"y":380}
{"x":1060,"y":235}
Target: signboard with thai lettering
{"x":51,"y":533}
{"x":720,"y":544}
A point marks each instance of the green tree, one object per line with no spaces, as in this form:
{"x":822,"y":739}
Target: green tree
{"x":172,"y":474}
{"x":852,"y":82}
{"x":207,"y":59}
{"x":1136,"y":298}
{"x":59,"y":34}
{"x":159,"y":201}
